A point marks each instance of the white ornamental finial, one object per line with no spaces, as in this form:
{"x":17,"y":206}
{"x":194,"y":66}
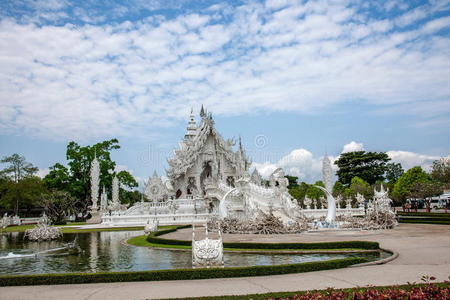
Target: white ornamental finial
{"x":115,"y":191}
{"x":95,"y":180}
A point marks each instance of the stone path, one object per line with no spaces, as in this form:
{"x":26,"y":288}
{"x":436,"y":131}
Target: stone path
{"x":423,"y":250}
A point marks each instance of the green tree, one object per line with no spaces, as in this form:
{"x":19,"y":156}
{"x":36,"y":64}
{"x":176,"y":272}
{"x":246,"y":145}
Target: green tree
{"x":58,"y":205}
{"x":369,"y":166}
{"x":18,"y":168}
{"x":58,"y":178}
{"x":358,"y":186}
{"x":402,"y":189}
{"x":75,"y":178}
{"x":292,"y":181}
{"x":299,"y":191}
{"x":23,"y":194}
{"x":314,"y":192}
{"x":393,"y":171}
{"x":440,"y":171}
{"x":19,"y":188}
{"x":425,"y":189}
{"x":338,"y":189}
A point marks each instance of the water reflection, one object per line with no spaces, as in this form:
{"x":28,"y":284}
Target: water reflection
{"x":106,"y":251}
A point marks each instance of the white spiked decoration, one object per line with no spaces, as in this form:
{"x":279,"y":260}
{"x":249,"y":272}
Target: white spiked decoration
{"x":115,"y":191}
{"x":95,"y":180}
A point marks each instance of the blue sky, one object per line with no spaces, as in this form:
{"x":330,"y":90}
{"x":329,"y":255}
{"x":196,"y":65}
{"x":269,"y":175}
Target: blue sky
{"x":294,"y":79}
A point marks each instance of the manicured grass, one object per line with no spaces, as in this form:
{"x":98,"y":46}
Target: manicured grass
{"x":423,"y":214}
{"x":141,"y":241}
{"x":424,"y":218}
{"x":154,"y":238}
{"x":435,"y":222}
{"x":20,"y":228}
{"x":325,"y":294}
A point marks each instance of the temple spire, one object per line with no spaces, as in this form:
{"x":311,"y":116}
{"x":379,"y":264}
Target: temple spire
{"x":191,"y":130}
{"x":202,"y":112}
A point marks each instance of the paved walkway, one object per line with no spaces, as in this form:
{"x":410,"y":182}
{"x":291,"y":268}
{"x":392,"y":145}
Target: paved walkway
{"x":423,"y":249}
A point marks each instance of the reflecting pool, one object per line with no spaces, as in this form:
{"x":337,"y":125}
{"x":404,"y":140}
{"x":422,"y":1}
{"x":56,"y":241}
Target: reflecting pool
{"x":108,"y":251}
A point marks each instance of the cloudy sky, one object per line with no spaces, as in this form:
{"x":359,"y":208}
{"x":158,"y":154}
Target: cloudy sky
{"x":294,"y":79}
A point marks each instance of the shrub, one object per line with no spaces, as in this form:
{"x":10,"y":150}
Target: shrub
{"x":154,"y":239}
{"x":176,"y":274}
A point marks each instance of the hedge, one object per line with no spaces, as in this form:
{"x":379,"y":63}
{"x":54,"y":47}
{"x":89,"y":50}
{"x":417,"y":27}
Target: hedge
{"x":176,"y":274}
{"x":435,"y":222}
{"x":154,"y":239}
{"x":424,"y":214}
{"x":424,"y":218}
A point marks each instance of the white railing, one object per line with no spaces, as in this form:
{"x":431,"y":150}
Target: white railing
{"x":167,"y":219}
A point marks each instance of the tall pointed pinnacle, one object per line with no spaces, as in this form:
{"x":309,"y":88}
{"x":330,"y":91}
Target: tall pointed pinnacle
{"x":155,"y":174}
{"x":192,"y":126}
{"x":202,"y":112}
{"x":327,"y":173}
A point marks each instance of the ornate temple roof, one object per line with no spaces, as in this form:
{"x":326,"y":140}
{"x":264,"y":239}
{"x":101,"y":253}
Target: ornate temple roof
{"x":195,"y":139}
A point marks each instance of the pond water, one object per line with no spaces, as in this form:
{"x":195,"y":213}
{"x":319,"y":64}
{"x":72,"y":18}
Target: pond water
{"x":107,"y":251}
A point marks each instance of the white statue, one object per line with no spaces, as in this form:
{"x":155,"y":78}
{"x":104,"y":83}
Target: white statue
{"x":360,"y":200}
{"x":207,"y":252}
{"x":151,"y":226}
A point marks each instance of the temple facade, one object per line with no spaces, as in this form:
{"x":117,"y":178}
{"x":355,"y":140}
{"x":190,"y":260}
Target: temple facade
{"x":208,"y":177}
{"x":204,"y":159}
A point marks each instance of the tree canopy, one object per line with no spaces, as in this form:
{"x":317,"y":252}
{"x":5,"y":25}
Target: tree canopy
{"x":402,"y":189}
{"x":440,"y":171}
{"x":18,"y":168}
{"x":75,"y":179}
{"x":369,"y":166}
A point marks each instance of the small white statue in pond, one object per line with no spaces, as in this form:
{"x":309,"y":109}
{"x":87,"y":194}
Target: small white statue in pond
{"x":207,"y":252}
{"x":151,"y":226}
{"x":307,"y":202}
{"x":360,"y":200}
{"x":348,"y":203}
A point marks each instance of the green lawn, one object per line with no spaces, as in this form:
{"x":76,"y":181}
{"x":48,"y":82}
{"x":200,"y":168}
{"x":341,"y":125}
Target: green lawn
{"x":141,"y":241}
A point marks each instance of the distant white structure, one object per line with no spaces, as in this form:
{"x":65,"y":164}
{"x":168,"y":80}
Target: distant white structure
{"x":95,"y":181}
{"x":208,"y":174}
{"x":331,"y":202}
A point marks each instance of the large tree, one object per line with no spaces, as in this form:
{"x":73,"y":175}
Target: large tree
{"x":393,"y":172}
{"x":358,"y":186}
{"x":403,"y":186}
{"x":75,"y":178}
{"x":18,"y":168}
{"x":19,"y":188}
{"x":58,"y":206}
{"x":292,"y":181}
{"x":21,"y":195}
{"x":425,"y":189}
{"x":369,"y":166}
{"x":440,"y":171}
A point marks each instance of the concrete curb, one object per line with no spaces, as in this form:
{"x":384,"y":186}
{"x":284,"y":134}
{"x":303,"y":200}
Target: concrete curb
{"x":379,"y":262}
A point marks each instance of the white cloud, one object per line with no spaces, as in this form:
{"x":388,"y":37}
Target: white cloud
{"x":89,"y":81}
{"x":299,"y":162}
{"x":307,"y":167}
{"x":42,"y":172}
{"x":352,"y":147}
{"x":410,"y":159}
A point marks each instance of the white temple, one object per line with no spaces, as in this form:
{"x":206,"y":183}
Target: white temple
{"x":209,"y":177}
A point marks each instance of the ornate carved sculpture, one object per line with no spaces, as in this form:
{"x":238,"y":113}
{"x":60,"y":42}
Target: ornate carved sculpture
{"x":207,"y":252}
{"x":151,"y":226}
